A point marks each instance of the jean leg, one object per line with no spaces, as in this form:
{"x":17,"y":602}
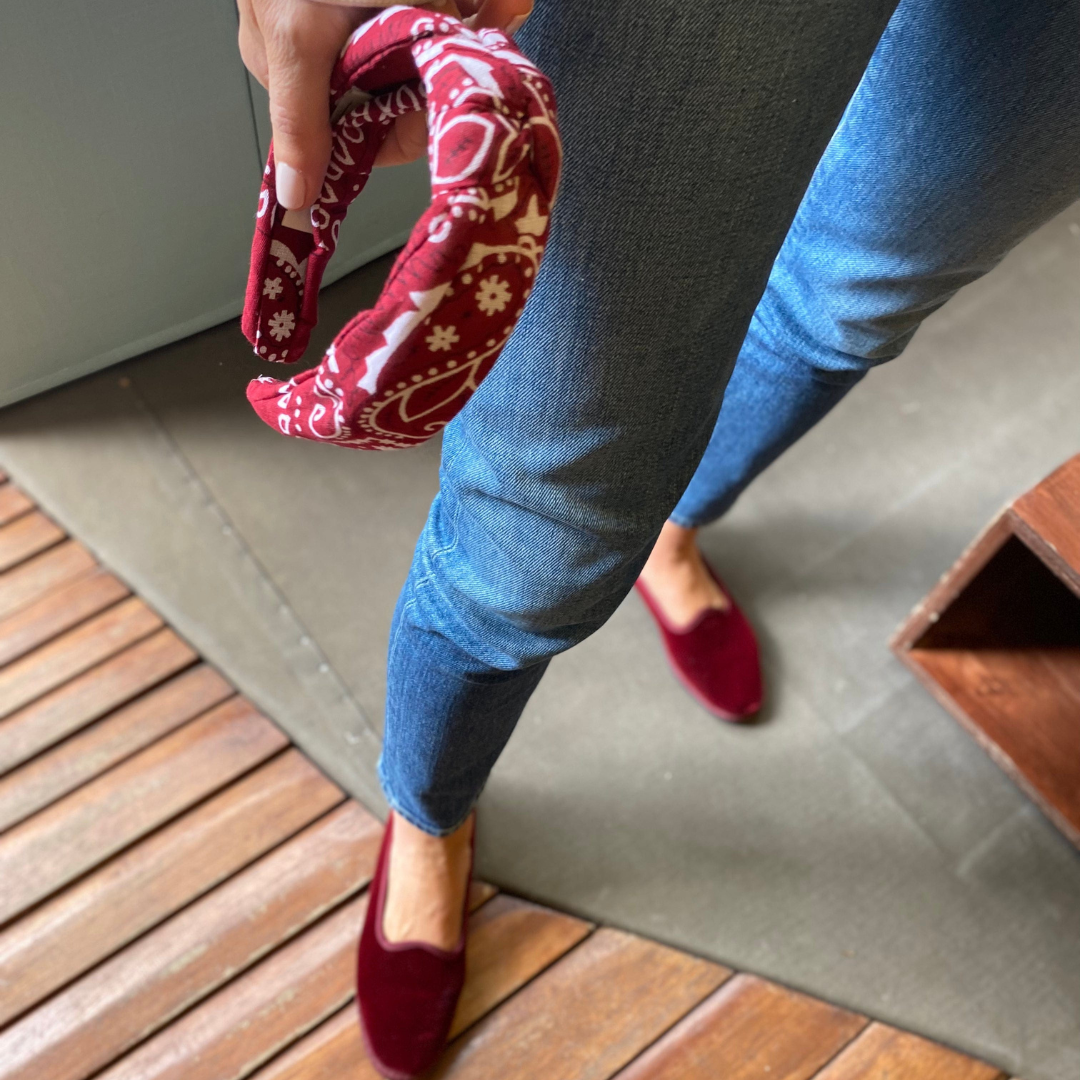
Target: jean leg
{"x":691,"y":131}
{"x":962,"y":138}
{"x":429,"y":770}
{"x":772,"y":399}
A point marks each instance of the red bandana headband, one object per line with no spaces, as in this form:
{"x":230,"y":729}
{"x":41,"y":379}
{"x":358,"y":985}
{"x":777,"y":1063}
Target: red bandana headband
{"x":397,"y":374}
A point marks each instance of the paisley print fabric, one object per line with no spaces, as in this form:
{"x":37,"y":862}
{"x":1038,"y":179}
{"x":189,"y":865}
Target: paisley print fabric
{"x":395,"y":375}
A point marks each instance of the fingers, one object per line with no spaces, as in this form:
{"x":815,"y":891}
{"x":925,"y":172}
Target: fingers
{"x":302,"y":41}
{"x":290,"y":46}
{"x":508,"y":15}
{"x":405,"y":142}
{"x":252,"y":49}
{"x":448,"y":7}
{"x":299,"y":85}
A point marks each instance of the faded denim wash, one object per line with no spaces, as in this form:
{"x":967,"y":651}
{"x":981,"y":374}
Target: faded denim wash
{"x":692,"y":132}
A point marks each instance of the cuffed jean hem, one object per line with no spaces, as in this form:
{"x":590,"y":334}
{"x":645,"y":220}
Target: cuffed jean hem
{"x":773,"y":398}
{"x":398,"y":808}
{"x":689,"y":521}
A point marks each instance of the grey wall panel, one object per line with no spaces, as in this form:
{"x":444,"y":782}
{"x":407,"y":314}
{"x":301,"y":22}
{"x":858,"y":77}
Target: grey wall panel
{"x":126,"y":163}
{"x":129,"y":170}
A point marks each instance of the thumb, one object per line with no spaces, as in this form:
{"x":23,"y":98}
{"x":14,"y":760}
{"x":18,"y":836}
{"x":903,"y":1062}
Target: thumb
{"x":299,"y":78}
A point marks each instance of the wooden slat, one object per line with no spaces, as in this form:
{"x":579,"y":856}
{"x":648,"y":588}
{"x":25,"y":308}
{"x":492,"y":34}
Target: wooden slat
{"x":90,"y":696}
{"x":510,"y":942}
{"x":137,"y":991}
{"x":58,"y":611}
{"x":40,"y":575}
{"x":108,"y":742}
{"x":1023,"y":707}
{"x":13,"y":503}
{"x":251,"y":1019}
{"x":883,"y":1053}
{"x":73,"y":835}
{"x":1048,"y":518}
{"x":145,"y":884}
{"x":26,"y":536}
{"x":333,"y":1051}
{"x":74,"y":652}
{"x":480,"y":892}
{"x":749,"y":1029}
{"x":256,"y":1015}
{"x":587,"y":1016}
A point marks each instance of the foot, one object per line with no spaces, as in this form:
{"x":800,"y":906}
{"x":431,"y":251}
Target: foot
{"x":426,"y":885}
{"x":678,"y":579}
{"x":709,"y":641}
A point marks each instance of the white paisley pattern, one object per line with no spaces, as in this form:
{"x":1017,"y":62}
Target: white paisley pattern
{"x":400,"y":372}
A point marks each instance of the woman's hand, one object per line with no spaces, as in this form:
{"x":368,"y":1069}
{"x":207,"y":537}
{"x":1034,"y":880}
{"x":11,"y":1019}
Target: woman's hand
{"x":291,"y":47}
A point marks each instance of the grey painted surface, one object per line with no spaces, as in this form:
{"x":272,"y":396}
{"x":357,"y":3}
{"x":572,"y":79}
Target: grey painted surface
{"x":856,"y":843}
{"x":129,"y":171}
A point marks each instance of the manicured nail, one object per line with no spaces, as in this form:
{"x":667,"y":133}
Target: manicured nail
{"x":290,"y":187}
{"x":515,"y":25}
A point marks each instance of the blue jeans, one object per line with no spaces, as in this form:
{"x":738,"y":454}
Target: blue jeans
{"x":883,"y":158}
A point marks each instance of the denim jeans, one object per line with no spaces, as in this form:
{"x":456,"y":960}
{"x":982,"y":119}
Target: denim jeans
{"x":790,"y":185}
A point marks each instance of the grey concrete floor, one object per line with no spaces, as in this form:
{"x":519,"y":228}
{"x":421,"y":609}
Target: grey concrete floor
{"x":856,"y":844}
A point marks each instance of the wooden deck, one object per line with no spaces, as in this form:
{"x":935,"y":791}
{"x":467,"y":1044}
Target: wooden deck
{"x":181,"y":892}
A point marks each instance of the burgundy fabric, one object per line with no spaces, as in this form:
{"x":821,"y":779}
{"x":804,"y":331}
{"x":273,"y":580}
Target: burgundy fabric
{"x":406,"y":992}
{"x":395,"y":375}
{"x":715,"y":657}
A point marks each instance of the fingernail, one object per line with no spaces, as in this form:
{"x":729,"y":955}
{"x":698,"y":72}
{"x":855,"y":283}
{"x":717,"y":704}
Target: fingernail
{"x":516,"y":24}
{"x":290,"y":187}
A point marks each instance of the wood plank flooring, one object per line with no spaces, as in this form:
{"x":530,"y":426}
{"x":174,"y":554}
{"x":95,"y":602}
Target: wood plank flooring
{"x":181,"y":892}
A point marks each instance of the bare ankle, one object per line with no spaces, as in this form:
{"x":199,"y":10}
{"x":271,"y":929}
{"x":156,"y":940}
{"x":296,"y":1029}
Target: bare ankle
{"x":426,"y":884}
{"x":676,"y":544}
{"x":678,"y":578}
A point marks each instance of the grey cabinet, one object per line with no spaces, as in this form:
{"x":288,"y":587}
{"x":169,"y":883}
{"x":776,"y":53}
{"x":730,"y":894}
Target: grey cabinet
{"x":131,"y":146}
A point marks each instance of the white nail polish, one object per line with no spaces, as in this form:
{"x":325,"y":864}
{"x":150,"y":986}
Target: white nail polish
{"x":290,"y":187}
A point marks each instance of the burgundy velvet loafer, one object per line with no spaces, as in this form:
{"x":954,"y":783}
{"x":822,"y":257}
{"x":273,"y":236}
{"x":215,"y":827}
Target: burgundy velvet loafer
{"x":406,"y":991}
{"x":715,"y":657}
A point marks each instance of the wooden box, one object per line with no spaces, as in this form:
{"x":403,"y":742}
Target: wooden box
{"x":997,"y":642}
